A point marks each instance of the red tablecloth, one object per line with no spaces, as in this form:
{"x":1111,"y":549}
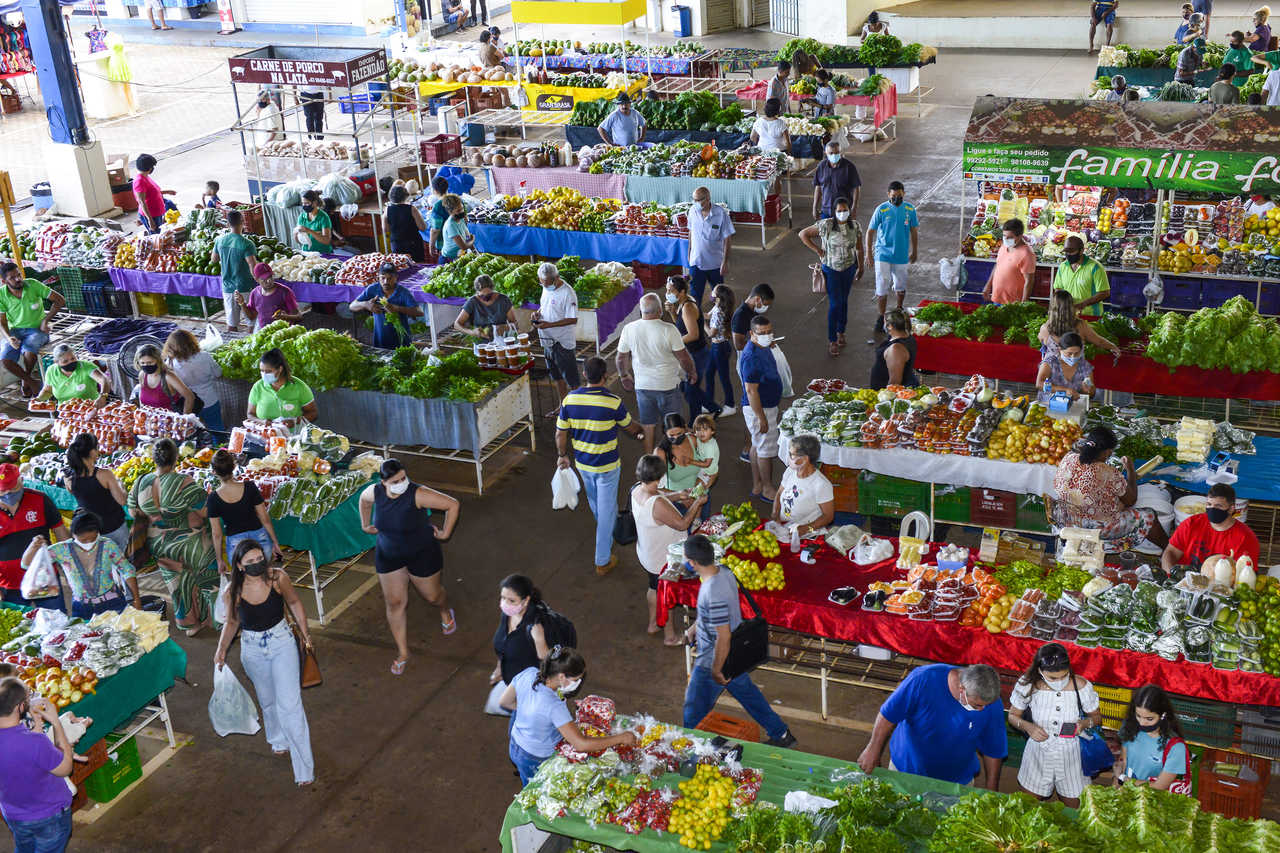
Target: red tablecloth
{"x":803,"y":607}
{"x":885,"y":104}
{"x":1134,"y":372}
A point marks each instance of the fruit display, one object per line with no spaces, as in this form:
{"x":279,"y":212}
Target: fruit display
{"x":119,"y":424}
{"x":701,"y":814}
{"x":362,"y":270}
{"x":682,"y":159}
{"x":523,"y":155}
{"x":751,"y":576}
{"x":561,"y":208}
{"x":307,"y":266}
{"x":562,"y":47}
{"x":653,"y":219}
{"x":22,"y":448}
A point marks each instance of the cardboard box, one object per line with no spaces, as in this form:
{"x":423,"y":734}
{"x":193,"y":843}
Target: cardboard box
{"x":119,"y":169}
{"x":1002,"y":547}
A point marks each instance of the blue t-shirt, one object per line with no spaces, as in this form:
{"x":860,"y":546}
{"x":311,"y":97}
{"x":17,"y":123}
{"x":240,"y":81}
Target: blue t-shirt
{"x":453,"y":228}
{"x":717,"y":605}
{"x":934,"y":735}
{"x":623,"y":130}
{"x":539,"y":715}
{"x":1143,"y":757}
{"x":893,"y":224}
{"x":757,"y":364}
{"x":385,"y":334}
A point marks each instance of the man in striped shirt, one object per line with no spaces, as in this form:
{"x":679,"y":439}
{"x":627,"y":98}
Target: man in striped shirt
{"x":590,"y":417}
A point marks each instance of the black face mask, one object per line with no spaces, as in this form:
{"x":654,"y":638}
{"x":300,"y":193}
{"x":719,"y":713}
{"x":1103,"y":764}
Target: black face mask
{"x":308,"y":207}
{"x":149,"y":368}
{"x":1072,"y":257}
{"x":263,"y":103}
{"x":895,"y":200}
{"x":257,"y":569}
{"x":1150,"y":728}
{"x":69,"y":367}
{"x":1217,"y":515}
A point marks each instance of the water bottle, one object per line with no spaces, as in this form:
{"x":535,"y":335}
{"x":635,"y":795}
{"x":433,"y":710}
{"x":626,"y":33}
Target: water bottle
{"x":1048,"y":390}
{"x":795,"y":539}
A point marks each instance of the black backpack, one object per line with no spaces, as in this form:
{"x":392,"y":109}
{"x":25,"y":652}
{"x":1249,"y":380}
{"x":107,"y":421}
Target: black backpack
{"x":556,"y":627}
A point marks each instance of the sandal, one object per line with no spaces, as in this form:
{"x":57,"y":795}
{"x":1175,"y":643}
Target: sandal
{"x":397,"y":666}
{"x":833,"y":349}
{"x":841,"y":341}
{"x":450,"y":626}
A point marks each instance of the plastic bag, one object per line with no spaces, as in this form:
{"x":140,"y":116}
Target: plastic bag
{"x":212,"y":338}
{"x":231,"y":710}
{"x":48,"y":621}
{"x":491,"y":705}
{"x":220,"y":607}
{"x":871,"y":550}
{"x":951,"y":272}
{"x":564,"y":489}
{"x":784,"y":371}
{"x":41,"y":579}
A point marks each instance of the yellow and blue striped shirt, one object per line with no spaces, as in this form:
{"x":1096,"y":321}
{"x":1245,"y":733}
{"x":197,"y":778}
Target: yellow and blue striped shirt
{"x":592,"y":416}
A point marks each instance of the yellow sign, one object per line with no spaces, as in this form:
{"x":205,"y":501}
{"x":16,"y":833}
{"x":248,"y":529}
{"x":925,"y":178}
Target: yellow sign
{"x":602,"y":14}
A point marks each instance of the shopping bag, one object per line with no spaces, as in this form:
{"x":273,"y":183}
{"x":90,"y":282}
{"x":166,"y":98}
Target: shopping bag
{"x":491,"y":705}
{"x":1095,"y":755}
{"x":212,"y":338}
{"x":231,"y":710}
{"x":220,"y":606}
{"x":784,"y":371}
{"x":40,"y":579}
{"x":871,"y":550}
{"x":951,"y":272}
{"x":819,"y":280}
{"x":564,"y":489}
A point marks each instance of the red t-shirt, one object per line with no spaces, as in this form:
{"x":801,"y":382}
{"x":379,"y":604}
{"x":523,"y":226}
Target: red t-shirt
{"x":1197,"y":540}
{"x":149,"y":192}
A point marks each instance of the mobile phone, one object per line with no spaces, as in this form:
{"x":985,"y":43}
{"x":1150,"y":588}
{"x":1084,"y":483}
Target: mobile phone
{"x":1068,"y":730}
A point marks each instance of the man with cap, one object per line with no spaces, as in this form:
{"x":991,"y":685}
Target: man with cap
{"x":393,"y":309}
{"x":237,"y":259}
{"x":270,"y":300}
{"x":24,"y":514}
{"x":624,"y":126}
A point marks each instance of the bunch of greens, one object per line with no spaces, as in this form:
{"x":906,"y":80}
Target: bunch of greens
{"x":1232,"y":337}
{"x":936,"y":312}
{"x":813,"y":47}
{"x":590,"y":113}
{"x":520,"y":284}
{"x":973,"y":328}
{"x":570,"y":268}
{"x":1019,"y":576}
{"x":1252,"y":86}
{"x":457,"y":279}
{"x":324,"y":359}
{"x":997,"y":823}
{"x":1135,"y":817}
{"x":1117,"y":328}
{"x":880,"y":49}
{"x":1140,"y":447}
{"x":910,"y":53}
{"x":871,"y":815}
{"x":872,"y":85}
{"x":457,"y":376}
{"x":239,"y":358}
{"x":1174,"y":91}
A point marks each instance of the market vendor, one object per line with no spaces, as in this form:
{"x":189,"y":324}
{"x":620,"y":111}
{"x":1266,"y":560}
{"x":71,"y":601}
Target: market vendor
{"x":1063,"y":319}
{"x":94,"y":566}
{"x":1118,"y":87}
{"x":946,"y":722}
{"x":1082,"y":277}
{"x":490,"y":53}
{"x":24,"y":323}
{"x":270,"y":300}
{"x":779,"y":84}
{"x":24,"y":514}
{"x":770,"y":130}
{"x":1190,"y":60}
{"x":404,"y":225}
{"x":314,"y":229}
{"x":393,"y":309}
{"x":280,"y":394}
{"x":624,"y":126}
{"x":1258,"y":205}
{"x":806,"y":498}
{"x":1239,"y":56}
{"x":70,"y":379}
{"x":485,"y":311}
{"x":1093,"y":494}
{"x":1214,"y":531}
{"x":1066,"y":370}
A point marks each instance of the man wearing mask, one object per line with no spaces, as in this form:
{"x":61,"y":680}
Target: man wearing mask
{"x":1084,"y":278}
{"x":892,"y":240}
{"x":24,"y":514}
{"x":237,"y":259}
{"x":1117,"y":90}
{"x":314,"y":231}
{"x":393,"y":309}
{"x":835,"y":178}
{"x":1014,"y":272}
{"x":1240,"y":57}
{"x":1222,"y":91}
{"x":761,"y":394}
{"x":24,"y":323}
{"x":710,"y":229}
{"x":557,"y":323}
{"x":1213,"y":531}
{"x":34,"y":795}
{"x":1189,"y":62}
{"x":267,"y":122}
{"x":757,"y":302}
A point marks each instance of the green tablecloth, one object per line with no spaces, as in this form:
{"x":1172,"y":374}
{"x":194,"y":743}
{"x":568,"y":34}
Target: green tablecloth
{"x":119,"y":697}
{"x":62,"y":499}
{"x":740,"y":196}
{"x":336,"y":536}
{"x":1153,"y":76}
{"x":784,"y":770}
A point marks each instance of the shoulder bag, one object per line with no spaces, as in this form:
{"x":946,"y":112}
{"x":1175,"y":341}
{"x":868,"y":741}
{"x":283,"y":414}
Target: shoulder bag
{"x":819,"y":280}
{"x":749,"y":642}
{"x":1181,"y":785}
{"x":308,"y":664}
{"x":1095,"y":754}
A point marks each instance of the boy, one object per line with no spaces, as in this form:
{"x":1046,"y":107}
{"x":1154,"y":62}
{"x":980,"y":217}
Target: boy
{"x":210,"y":197}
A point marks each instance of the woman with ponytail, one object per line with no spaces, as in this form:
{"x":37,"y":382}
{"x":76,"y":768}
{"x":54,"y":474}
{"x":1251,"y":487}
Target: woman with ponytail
{"x":96,"y":489}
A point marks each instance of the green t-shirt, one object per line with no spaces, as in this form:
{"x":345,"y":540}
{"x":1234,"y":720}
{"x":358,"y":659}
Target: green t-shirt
{"x":319,"y":222}
{"x":1273,"y":59}
{"x":232,"y":250}
{"x":80,"y":384}
{"x":268,"y":403}
{"x":1083,"y":283}
{"x":1242,"y":59}
{"x":25,"y":311}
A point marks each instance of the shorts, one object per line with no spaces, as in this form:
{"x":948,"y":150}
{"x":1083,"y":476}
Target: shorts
{"x":653,"y":579}
{"x":425,"y":563}
{"x":1204,"y":7}
{"x":888,"y":272}
{"x":30,"y":340}
{"x":155,"y":4}
{"x":452,"y":17}
{"x":764,"y":443}
{"x":1104,"y":14}
{"x":652,"y":405}
{"x":562,"y":364}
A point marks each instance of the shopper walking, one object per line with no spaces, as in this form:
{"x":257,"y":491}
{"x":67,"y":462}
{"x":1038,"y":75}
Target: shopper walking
{"x":1014,"y":273}
{"x":893,"y":237}
{"x":710,"y":231}
{"x":34,"y":796}
{"x":154,"y":6}
{"x":267,"y":121}
{"x":589,"y":421}
{"x":255,"y":602}
{"x":757,"y":302}
{"x":236,"y":257}
{"x":398,"y":512}
{"x":719,"y":614}
{"x":835,"y":178}
{"x":687,"y":315}
{"x":658,"y":526}
{"x":556,"y":320}
{"x":720,"y":341}
{"x":198,"y":371}
{"x":521,"y":639}
{"x":837,"y":241}
{"x":238,"y":513}
{"x":96,"y":489}
{"x":24,"y":323}
{"x":1261,"y":30}
{"x":761,"y":394}
{"x":24,"y":515}
{"x":651,"y":358}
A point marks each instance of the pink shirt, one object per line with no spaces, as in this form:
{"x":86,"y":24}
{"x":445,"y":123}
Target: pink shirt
{"x":1008,"y":281}
{"x":149,"y":192}
{"x":267,"y":305}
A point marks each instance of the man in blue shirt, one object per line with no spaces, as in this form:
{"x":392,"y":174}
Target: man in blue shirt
{"x":892,"y":239}
{"x":624,"y":126}
{"x":393,"y":310}
{"x":947,"y":723}
{"x":709,"y":231}
{"x":761,"y":394}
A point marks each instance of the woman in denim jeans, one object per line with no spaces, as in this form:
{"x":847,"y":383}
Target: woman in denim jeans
{"x":722,"y":304}
{"x":837,"y":242}
{"x":238,"y":513}
{"x":256,"y":601}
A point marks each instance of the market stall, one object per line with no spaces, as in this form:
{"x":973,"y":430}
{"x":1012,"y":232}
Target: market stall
{"x":880,"y":99}
{"x":554,"y":243}
{"x":1155,"y":68}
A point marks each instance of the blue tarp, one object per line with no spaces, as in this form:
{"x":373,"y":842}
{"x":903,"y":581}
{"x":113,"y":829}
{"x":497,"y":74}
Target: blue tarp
{"x":554,"y":243}
{"x":1259,"y":474}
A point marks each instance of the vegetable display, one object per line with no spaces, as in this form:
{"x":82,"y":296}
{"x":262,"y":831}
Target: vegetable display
{"x":519,"y":281}
{"x":561,"y":208}
{"x":682,"y":159}
{"x":687,"y":111}
{"x":885,"y":51}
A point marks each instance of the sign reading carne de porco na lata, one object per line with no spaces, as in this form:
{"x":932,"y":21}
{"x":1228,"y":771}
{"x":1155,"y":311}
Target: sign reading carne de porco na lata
{"x":300,"y":72}
{"x":1173,"y":145}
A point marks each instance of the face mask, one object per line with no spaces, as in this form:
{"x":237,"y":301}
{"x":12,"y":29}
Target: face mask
{"x":397,"y":489}
{"x":149,"y":368}
{"x":1150,"y":728}
{"x":842,"y":216}
{"x":765,"y":340}
{"x":511,"y":609}
{"x":255,"y":570}
{"x":263,"y":103}
{"x":833,"y":159}
{"x":1072,"y":257}
{"x":11,"y":498}
{"x":760,"y":309}
{"x":86,"y":546}
{"x":1070,"y":360}
{"x":569,"y":687}
{"x":268,"y":377}
{"x":308,"y":207}
{"x":1010,"y":242}
{"x":1059,"y":684}
{"x":969,"y":708}
{"x":672,"y":299}
{"x":69,"y":367}
{"x":1216,"y":515}
{"x":896,"y":200}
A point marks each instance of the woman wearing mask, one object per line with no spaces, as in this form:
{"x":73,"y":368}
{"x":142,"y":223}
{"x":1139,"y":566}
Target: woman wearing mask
{"x":1051,"y":705}
{"x":398,"y":512}
{"x":237,"y":513}
{"x":280,"y":394}
{"x":1063,"y":320}
{"x":70,"y":379}
{"x":170,"y":507}
{"x":315,"y":229}
{"x":1152,"y":749}
{"x":658,"y":525}
{"x":159,"y":387}
{"x":718,"y":335}
{"x":838,"y":244}
{"x":455,"y":235}
{"x":542,"y":717}
{"x":685,"y":464}
{"x":256,"y":600}
{"x":806,"y":498}
{"x":1066,"y":370}
{"x":521,"y":640}
{"x":94,"y":566}
{"x":197,"y":370}
{"x":487,"y":311}
{"x":770,"y":131}
{"x":96,"y":489}
{"x":1093,"y":494}
{"x":687,"y":315}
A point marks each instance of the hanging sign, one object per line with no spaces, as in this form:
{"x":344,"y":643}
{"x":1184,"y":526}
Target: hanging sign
{"x":290,"y":66}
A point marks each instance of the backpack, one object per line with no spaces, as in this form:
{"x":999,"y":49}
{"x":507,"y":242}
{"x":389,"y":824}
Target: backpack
{"x":556,"y":627}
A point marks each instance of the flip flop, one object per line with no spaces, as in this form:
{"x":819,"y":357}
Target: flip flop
{"x":672,"y":644}
{"x":762,"y":498}
{"x":450,"y":626}
{"x":754,"y":495}
{"x":397,"y":666}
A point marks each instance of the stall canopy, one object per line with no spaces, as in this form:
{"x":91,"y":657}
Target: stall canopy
{"x":1152,"y":144}
{"x":572,"y":12}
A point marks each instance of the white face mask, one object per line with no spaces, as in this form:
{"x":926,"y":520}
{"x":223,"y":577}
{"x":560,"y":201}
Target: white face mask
{"x":842,"y":215}
{"x":86,"y":546}
{"x":269,"y":378}
{"x":833,"y":159}
{"x":1010,"y":242}
{"x":760,"y":309}
{"x":965,"y":704}
{"x":397,"y":489}
{"x":672,"y":299}
{"x":765,"y":340}
{"x":1060,"y":684}
{"x":569,"y":687}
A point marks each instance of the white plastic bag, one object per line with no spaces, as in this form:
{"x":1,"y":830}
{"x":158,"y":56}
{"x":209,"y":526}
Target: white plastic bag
{"x":784,"y":371}
{"x":491,"y":705}
{"x":564,"y":489}
{"x":48,"y":621}
{"x":951,"y":272}
{"x":40,"y":579}
{"x":220,"y":606}
{"x":231,"y":710}
{"x":871,"y":550}
{"x":212,"y":338}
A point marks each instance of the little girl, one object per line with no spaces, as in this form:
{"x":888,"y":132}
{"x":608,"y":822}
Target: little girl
{"x":706,"y":455}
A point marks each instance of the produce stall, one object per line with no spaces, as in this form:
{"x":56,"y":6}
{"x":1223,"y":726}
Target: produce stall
{"x":554,"y":243}
{"x":544,"y":97}
{"x":1147,"y":67}
{"x":873,"y":94}
{"x":568,"y":53}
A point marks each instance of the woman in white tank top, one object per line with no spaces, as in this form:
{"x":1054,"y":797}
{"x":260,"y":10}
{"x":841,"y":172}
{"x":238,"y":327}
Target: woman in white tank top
{"x":659,"y":524}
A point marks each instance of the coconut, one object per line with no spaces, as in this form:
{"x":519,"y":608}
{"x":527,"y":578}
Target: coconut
{"x":522,"y":161}
{"x":477,"y":160}
{"x":536,"y":161}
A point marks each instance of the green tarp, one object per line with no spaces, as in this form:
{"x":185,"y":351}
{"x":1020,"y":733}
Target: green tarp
{"x":1135,"y":76}
{"x":121,"y":696}
{"x":336,"y":536}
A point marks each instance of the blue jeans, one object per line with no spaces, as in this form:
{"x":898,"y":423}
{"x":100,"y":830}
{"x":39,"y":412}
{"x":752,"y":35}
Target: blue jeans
{"x":88,"y":610}
{"x":270,"y":659}
{"x":718,"y":366}
{"x":260,"y":536}
{"x":701,"y":694}
{"x":526,"y":765}
{"x":47,"y":835}
{"x":602,"y":496}
{"x":211,"y":416}
{"x":698,"y":279}
{"x":697,"y":398}
{"x":838,"y":286}
{"x":30,"y":341}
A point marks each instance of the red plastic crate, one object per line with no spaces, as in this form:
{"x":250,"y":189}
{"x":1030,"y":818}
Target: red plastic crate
{"x":1228,"y":795}
{"x":734,"y":727}
{"x":440,"y":148}
{"x":772,"y":212}
{"x":993,"y":508}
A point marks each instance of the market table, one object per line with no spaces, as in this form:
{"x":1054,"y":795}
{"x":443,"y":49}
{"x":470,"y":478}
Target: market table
{"x":1259,"y":473}
{"x":883,"y":106}
{"x":805,"y":145}
{"x":210,"y":286}
{"x":514,"y":180}
{"x":336,"y":536}
{"x":556,"y":243}
{"x":535,"y":90}
{"x":613,"y":62}
{"x":803,"y":607}
{"x":119,"y":697}
{"x":1158,"y":76}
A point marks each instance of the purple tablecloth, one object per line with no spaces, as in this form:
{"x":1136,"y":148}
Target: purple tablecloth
{"x":191,"y":284}
{"x":509,"y":180}
{"x":642,"y":64}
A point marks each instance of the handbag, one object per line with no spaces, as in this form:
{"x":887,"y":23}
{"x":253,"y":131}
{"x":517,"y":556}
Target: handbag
{"x":624,"y":528}
{"x":1095,"y":755}
{"x":1181,"y":785}
{"x":748,"y":644}
{"x":819,"y":280}
{"x":308,"y":664}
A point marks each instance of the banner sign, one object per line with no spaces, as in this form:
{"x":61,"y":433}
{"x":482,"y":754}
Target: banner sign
{"x":309,"y":66}
{"x":554,"y":103}
{"x":1153,"y":144}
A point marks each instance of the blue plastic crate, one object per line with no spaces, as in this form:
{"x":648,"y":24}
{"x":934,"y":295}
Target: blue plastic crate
{"x":436,"y":102}
{"x":358,"y":103}
{"x":976,"y":274}
{"x":1214,"y":292}
{"x":101,"y":299}
{"x":1269,"y":302}
{"x":1126,"y":289}
{"x":1181,"y":293}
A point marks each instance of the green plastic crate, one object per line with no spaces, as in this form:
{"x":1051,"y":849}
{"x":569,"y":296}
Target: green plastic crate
{"x":186,"y":306}
{"x":70,"y":283}
{"x":890,"y":496}
{"x":1208,"y":723}
{"x":122,"y":769}
{"x":1031,"y":514}
{"x":1017,"y":744}
{"x":951,"y":503}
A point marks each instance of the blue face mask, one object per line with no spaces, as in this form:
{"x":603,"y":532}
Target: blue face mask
{"x":11,"y":498}
{"x":1070,"y":360}
{"x":833,"y":159}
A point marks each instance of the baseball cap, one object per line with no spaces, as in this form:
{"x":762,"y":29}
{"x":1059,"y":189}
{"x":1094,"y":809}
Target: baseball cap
{"x":262,"y":270}
{"x":10,"y":476}
{"x":388,"y":268}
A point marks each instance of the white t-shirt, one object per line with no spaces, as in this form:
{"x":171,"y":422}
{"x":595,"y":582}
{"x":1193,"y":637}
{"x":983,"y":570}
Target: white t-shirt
{"x":770,"y":131}
{"x":652,"y":345}
{"x":268,"y":121}
{"x":1272,"y":86}
{"x":800,"y":496}
{"x":1254,"y":208}
{"x":559,"y":304}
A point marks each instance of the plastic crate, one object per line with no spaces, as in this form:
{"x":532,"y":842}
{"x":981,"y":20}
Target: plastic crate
{"x":772,"y":212}
{"x":1209,"y":723}
{"x":186,"y":306}
{"x":993,"y":508}
{"x":82,"y":770}
{"x":71,"y":286}
{"x":734,"y":727}
{"x":349,"y":104}
{"x":1214,"y":292}
{"x":437,"y":101}
{"x":1031,"y":514}
{"x":1227,"y":794}
{"x":976,"y":273}
{"x":1181,"y":293}
{"x":1269,"y":300}
{"x":122,"y":769}
{"x":152,"y":304}
{"x":1041,"y":283}
{"x":1260,"y":733}
{"x":101,"y":299}
{"x":951,"y":503}
{"x":440,"y":148}
{"x":890,"y":496}
{"x":844,"y":486}
{"x":1126,"y":290}
{"x":1017,"y":745}
{"x":1113,"y":702}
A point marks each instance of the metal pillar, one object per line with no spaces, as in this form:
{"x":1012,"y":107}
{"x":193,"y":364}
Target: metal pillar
{"x":56,"y":71}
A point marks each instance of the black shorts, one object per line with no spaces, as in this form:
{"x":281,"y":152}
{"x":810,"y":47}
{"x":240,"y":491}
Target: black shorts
{"x":562,"y":364}
{"x":421,"y":564}
{"x":653,"y":579}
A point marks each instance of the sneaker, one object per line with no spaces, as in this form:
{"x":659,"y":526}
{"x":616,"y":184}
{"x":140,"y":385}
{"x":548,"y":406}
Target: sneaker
{"x":744,"y":457}
{"x":607,"y":567}
{"x":728,"y":411}
{"x":787,"y":740}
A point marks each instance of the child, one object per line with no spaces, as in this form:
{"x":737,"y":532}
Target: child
{"x":825,"y":99}
{"x":706,"y":455}
{"x":210,"y":197}
{"x":1152,"y":750}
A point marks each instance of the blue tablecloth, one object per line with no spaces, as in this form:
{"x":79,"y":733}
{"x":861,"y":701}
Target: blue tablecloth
{"x":640,"y":64}
{"x":1259,"y":474}
{"x":555,"y":243}
{"x":807,"y":146}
